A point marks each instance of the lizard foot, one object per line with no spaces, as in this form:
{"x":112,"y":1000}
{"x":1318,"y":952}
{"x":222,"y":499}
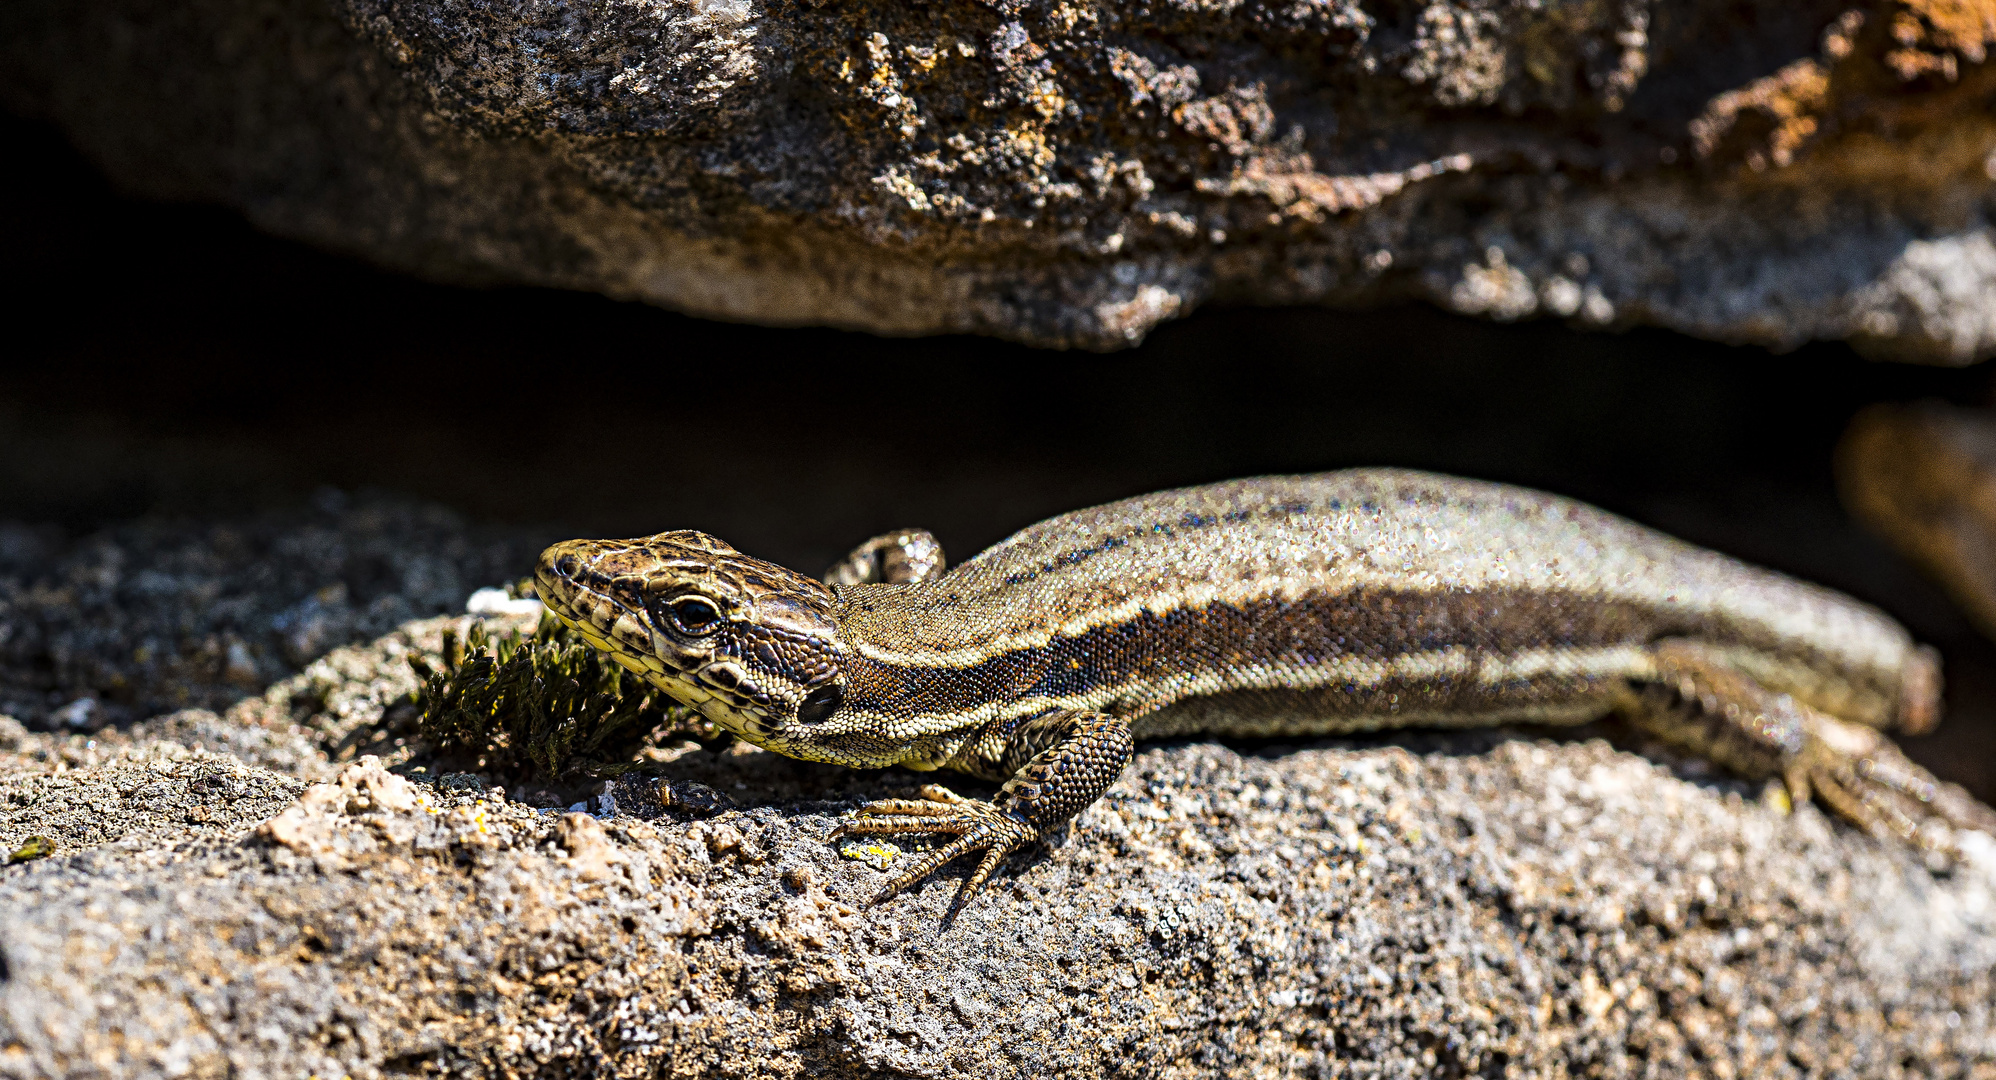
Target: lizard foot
{"x":976,"y":825}
{"x":1860,"y":774}
{"x":1702,"y":704}
{"x":1056,"y":764}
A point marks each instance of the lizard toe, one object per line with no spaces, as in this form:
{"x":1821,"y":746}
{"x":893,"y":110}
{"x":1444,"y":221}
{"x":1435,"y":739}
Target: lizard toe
{"x":1869,"y":782}
{"x":977,"y":826}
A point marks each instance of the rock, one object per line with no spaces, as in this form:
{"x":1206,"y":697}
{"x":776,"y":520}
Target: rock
{"x":1924,"y":477}
{"x":1478,"y":904}
{"x":289,"y":886}
{"x":590,"y":853}
{"x":1472,"y":902}
{"x":157,"y":615}
{"x":79,"y":714}
{"x":152,"y":796}
{"x":1073,"y":175}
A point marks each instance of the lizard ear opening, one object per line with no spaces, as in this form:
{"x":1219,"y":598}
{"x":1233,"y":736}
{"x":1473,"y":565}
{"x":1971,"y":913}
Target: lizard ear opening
{"x":820,"y":704}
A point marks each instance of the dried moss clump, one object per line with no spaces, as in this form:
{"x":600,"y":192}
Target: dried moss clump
{"x":546,"y":706}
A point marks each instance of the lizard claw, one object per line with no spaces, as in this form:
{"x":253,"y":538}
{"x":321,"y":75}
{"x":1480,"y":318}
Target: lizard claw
{"x":1058,"y":763}
{"x":977,"y":826}
{"x":1869,"y":782}
{"x":1702,"y":703}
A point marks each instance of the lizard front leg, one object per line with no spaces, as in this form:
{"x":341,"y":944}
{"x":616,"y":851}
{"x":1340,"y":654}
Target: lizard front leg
{"x":1701,"y":704}
{"x":1054,"y":766}
{"x":904,"y":556}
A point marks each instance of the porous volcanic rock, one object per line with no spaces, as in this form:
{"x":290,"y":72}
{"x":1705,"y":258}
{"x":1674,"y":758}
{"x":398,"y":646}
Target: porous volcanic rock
{"x":1464,"y":904}
{"x":1073,"y":174}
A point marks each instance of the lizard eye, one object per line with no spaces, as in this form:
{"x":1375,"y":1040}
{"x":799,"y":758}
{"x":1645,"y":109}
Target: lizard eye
{"x":695,"y":616}
{"x":819,"y":706}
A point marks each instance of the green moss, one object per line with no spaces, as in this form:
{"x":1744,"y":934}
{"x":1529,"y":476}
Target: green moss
{"x":545,"y":706}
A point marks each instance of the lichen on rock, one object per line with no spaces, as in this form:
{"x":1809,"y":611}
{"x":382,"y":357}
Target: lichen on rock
{"x":1073,"y":174}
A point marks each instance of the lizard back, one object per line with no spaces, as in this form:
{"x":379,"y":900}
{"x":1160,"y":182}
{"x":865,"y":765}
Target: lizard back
{"x":1348,"y":600}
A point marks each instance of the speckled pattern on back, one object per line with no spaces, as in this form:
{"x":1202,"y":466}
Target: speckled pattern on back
{"x":1337,"y":602}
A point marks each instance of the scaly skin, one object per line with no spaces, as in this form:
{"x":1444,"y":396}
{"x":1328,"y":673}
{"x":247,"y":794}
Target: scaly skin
{"x":1326,"y":604}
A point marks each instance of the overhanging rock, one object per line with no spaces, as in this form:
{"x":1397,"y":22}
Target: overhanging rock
{"x":1073,"y":174}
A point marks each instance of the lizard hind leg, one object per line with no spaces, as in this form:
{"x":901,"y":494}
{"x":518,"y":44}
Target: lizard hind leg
{"x":1056,"y":766}
{"x":1699,"y":703}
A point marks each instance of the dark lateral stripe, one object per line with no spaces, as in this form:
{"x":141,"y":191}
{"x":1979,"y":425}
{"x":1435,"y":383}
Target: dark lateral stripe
{"x":1547,"y":700}
{"x":1206,"y":644}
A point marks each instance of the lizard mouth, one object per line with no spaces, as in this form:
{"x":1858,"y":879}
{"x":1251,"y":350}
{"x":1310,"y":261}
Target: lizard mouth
{"x":577,"y":593}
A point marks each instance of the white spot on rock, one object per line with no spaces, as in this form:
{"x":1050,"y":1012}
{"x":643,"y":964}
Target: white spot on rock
{"x":496,"y":602}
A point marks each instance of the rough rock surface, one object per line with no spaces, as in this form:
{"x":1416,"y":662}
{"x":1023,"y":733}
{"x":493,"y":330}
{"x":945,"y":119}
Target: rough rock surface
{"x":160,"y":614}
{"x":1072,"y":174}
{"x":1470,"y":904}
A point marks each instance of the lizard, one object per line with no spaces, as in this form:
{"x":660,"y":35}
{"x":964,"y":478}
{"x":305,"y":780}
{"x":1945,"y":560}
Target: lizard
{"x":1318,"y":605}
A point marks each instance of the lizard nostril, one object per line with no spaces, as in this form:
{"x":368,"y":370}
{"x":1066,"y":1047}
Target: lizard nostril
{"x":821,"y":704}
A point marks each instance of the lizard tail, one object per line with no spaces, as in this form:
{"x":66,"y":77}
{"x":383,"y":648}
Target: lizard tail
{"x":1920,"y":692}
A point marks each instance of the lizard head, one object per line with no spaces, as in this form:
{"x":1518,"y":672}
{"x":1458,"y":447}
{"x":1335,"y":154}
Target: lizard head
{"x":751,"y":645}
